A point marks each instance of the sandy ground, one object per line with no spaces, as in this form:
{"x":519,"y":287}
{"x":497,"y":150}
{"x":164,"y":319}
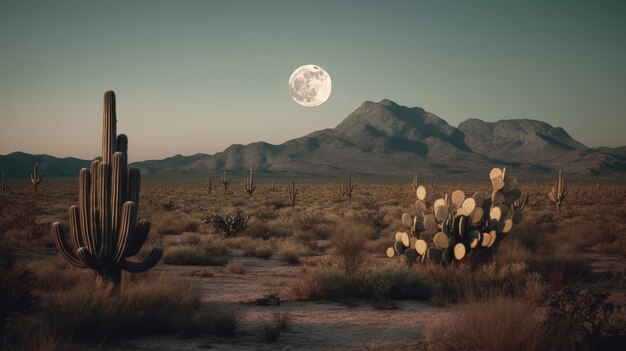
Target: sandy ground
{"x":318,"y":325}
{"x":313,"y":325}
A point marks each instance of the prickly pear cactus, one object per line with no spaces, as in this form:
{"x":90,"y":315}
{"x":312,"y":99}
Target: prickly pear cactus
{"x":458,"y":227}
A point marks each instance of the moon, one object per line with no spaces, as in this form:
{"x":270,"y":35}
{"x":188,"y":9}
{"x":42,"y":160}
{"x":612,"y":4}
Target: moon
{"x":310,"y":85}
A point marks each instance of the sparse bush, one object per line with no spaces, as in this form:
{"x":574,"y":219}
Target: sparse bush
{"x":460,"y":284}
{"x":193,"y":255}
{"x":278,"y":324}
{"x":226,"y":321}
{"x":229,"y":224}
{"x":168,"y":205}
{"x":498,"y":324}
{"x":291,"y":251}
{"x":234,"y":267}
{"x":264,"y":251}
{"x":348,"y":240}
{"x":16,"y":297}
{"x":390,"y":282}
{"x":581,"y":319}
{"x":560,"y":271}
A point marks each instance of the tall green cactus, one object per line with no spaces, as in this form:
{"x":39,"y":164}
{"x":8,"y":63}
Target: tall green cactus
{"x":36,"y":177}
{"x":248,"y":183}
{"x":558,"y":192}
{"x":104,"y":227}
{"x":225,"y":181}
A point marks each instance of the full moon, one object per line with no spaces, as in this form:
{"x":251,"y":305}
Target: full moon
{"x":310,"y":85}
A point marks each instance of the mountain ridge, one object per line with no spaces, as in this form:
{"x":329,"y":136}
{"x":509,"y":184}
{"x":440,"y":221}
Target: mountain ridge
{"x":387,"y":139}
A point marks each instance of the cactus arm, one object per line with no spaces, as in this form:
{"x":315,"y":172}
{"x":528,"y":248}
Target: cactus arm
{"x":84,"y":184}
{"x":119,"y":189}
{"x":74,"y":214}
{"x":127,"y":226}
{"x":94,"y":231}
{"x":89,"y":259}
{"x":104,"y":188}
{"x":142,"y":229}
{"x":64,"y":247}
{"x":138,"y":267}
{"x":134,"y":185}
{"x":122,"y":143}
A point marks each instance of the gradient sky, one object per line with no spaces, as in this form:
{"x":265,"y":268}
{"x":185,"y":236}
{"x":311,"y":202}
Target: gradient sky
{"x":197,"y":76}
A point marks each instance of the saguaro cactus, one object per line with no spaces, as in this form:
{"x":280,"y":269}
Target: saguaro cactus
{"x":225,"y":181}
{"x":209,"y":185}
{"x":346,"y":187}
{"x":292,"y":193}
{"x":36,"y":177}
{"x":248,"y":183}
{"x":3,"y":186}
{"x":558,"y":192}
{"x":104,"y":226}
{"x":414,"y":183}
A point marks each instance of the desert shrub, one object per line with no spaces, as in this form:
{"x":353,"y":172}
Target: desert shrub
{"x":581,"y":319}
{"x":32,"y":333}
{"x":497,"y":324}
{"x":461,"y":284}
{"x":312,"y":225}
{"x":146,"y":305}
{"x":16,"y":295}
{"x":264,"y":251}
{"x":168,"y":205}
{"x":229,"y":224}
{"x":291,"y":250}
{"x":257,"y":228}
{"x":226,"y":321}
{"x":234,"y":267}
{"x":143,"y":307}
{"x":278,"y":323}
{"x":394,"y":282}
{"x":373,"y":218}
{"x":348,"y":239}
{"x":560,"y":271}
{"x":193,"y":255}
{"x":174,"y":223}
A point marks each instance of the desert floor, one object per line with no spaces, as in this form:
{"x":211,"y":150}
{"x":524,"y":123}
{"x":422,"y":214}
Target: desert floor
{"x":277,"y":256}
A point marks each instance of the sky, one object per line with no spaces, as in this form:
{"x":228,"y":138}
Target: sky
{"x":198,"y":76}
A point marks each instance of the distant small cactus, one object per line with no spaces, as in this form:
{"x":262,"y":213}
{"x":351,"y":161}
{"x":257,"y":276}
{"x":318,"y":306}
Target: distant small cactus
{"x":346,"y":187}
{"x":3,"y":187}
{"x":209,"y":185}
{"x":292,"y":192}
{"x":248,"y":183}
{"x":36,"y":177}
{"x":225,"y":181}
{"x":558,"y":192}
{"x":414,"y":183}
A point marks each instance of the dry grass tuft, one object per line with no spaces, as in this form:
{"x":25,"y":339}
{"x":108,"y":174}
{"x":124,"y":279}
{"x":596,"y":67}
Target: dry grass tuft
{"x":496,"y":325}
{"x":349,"y":239}
{"x":234,"y":267}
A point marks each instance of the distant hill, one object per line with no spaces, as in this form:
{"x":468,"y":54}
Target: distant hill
{"x":20,"y":165}
{"x":387,"y":139}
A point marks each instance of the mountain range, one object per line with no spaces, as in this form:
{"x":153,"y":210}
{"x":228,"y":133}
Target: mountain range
{"x":383,"y":139}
